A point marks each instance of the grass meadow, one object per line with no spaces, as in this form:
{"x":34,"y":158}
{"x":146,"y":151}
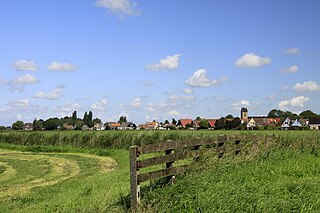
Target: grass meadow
{"x":75,"y":171}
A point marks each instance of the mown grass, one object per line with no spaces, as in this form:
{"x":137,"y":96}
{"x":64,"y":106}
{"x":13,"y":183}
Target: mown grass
{"x":90,"y":190}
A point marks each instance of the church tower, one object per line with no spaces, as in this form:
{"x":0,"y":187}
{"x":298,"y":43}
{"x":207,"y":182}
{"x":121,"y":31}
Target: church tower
{"x":244,"y":114}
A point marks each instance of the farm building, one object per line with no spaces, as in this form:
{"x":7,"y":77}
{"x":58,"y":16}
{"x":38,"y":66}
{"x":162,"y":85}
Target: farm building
{"x":286,"y":124}
{"x":314,"y":123}
{"x":296,"y":124}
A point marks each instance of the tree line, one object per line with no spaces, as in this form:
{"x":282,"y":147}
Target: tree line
{"x":227,"y":122}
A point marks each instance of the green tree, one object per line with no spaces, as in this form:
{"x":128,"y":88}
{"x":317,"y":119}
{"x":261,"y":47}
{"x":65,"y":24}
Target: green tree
{"x":90,"y":121}
{"x":52,"y":123}
{"x":198,"y":118}
{"x":308,"y":114}
{"x":166,"y":122}
{"x":220,"y":123}
{"x":122,"y":119}
{"x":174,"y":122}
{"x":79,"y":124}
{"x":18,"y":125}
{"x":2,"y":128}
{"x":275,"y":113}
{"x":96,"y":121}
{"x":233,"y":124}
{"x":37,"y":124}
{"x":204,"y":124}
{"x":74,"y":116}
{"x":188,"y":126}
{"x":229,"y":116}
{"x":85,"y":118}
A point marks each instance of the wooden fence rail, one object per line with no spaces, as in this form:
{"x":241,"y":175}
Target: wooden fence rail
{"x":188,"y":149}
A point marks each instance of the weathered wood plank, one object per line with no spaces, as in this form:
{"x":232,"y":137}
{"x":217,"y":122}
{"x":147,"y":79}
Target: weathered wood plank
{"x":162,"y":173}
{"x":134,"y":173}
{"x":179,"y":144}
{"x":168,"y":158}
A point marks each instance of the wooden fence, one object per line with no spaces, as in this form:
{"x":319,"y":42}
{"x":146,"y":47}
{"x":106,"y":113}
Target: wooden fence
{"x":184,"y":150}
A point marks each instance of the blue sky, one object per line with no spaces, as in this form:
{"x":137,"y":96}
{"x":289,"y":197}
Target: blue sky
{"x":157,"y":59}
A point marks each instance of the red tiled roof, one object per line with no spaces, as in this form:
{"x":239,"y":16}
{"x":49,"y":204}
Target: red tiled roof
{"x":212,"y":122}
{"x":115,"y":125}
{"x":184,"y":122}
{"x":273,"y":120}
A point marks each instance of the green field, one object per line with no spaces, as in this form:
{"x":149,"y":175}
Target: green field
{"x":89,"y":172}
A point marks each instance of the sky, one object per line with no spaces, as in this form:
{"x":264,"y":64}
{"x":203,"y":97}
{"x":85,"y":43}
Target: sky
{"x":157,"y":59}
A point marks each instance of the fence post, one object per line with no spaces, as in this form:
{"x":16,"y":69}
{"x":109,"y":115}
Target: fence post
{"x":134,"y":182}
{"x":170,"y":179}
{"x":220,"y":146}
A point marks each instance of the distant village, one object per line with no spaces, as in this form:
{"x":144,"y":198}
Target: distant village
{"x":275,"y":120}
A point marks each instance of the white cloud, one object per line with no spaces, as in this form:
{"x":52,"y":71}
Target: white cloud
{"x":100,"y":105}
{"x":187,"y":91}
{"x":64,"y":67}
{"x":200,"y":79}
{"x":136,"y":102}
{"x":156,"y":107}
{"x":24,"y":65}
{"x":176,"y":98}
{"x":20,"y":103}
{"x":67,"y":108}
{"x":291,"y":69}
{"x":306,"y":86}
{"x":245,"y":103}
{"x":292,"y":51}
{"x":56,"y":93}
{"x":26,"y":79}
{"x":293,"y":103}
{"x":120,"y":7}
{"x":251,"y":60}
{"x":170,"y":63}
{"x":173,"y":113}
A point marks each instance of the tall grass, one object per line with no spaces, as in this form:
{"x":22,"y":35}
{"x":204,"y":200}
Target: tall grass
{"x":281,"y":177}
{"x":124,"y":139}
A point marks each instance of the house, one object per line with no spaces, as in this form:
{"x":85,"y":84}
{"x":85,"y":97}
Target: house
{"x":115,"y":126}
{"x":212,"y":122}
{"x":98,"y":126}
{"x":251,"y":124}
{"x":141,"y":127}
{"x":259,"y":120}
{"x":152,"y":125}
{"x":131,"y":126}
{"x":286,"y":124}
{"x":28,"y":127}
{"x":314,"y":123}
{"x":68,"y":127}
{"x":273,"y":121}
{"x":196,"y":124}
{"x":304,"y":121}
{"x":296,"y":124}
{"x":184,"y":122}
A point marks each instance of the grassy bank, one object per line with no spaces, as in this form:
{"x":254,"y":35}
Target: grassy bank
{"x":124,"y":139}
{"x":282,"y":177}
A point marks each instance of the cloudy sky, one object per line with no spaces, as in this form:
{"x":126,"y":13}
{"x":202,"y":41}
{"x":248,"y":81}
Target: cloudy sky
{"x":157,"y":59}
